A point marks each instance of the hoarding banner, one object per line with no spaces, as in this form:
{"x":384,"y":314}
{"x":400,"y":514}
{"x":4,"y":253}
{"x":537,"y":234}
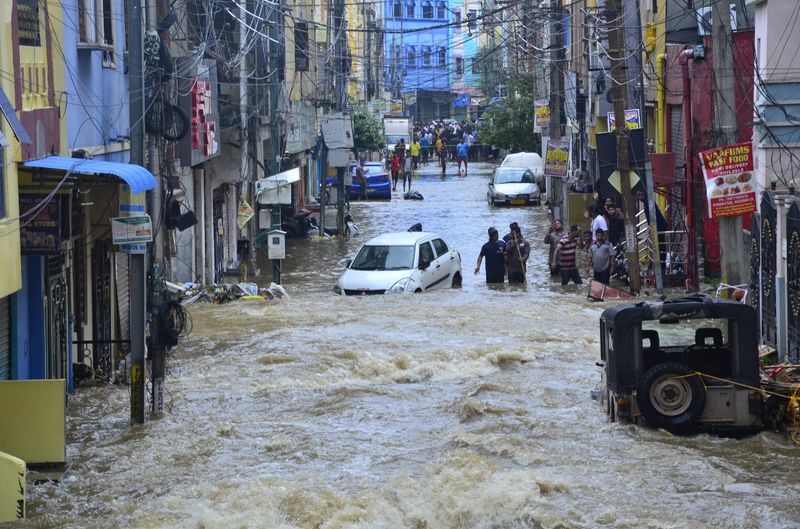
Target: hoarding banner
{"x":633,"y":119}
{"x":728,"y":172}
{"x":41,"y":235}
{"x":541,"y":115}
{"x":556,"y":159}
{"x":131,"y":230}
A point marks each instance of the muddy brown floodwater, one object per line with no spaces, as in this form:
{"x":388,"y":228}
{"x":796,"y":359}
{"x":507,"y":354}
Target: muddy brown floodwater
{"x":454,"y":409}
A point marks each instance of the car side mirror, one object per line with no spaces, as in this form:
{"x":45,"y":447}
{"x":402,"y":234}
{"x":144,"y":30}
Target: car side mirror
{"x":424,"y":264}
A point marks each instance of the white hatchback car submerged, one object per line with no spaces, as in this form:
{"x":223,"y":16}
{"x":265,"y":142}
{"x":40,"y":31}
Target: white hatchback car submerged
{"x":512,"y":186}
{"x":401,"y":262}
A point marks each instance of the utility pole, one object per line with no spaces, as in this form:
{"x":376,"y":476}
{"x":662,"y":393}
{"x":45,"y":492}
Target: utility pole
{"x":556,"y":89}
{"x":274,"y":82}
{"x":619,"y":80}
{"x":340,"y":91}
{"x":137,"y":264}
{"x":730,"y":228}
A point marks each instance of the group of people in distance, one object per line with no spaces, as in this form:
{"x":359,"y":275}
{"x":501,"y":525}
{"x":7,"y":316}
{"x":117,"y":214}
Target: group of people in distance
{"x":506,"y":257}
{"x":446,"y":142}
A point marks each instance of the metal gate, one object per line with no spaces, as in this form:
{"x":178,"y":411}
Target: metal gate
{"x":56,"y":318}
{"x":102,"y":360}
{"x":5,"y":338}
{"x":793,"y":280}
{"x":219,"y":235}
{"x":769,"y":217}
{"x":755,"y":263}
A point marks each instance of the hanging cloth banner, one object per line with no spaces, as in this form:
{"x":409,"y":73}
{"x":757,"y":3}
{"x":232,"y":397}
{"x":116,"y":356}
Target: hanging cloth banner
{"x":728,"y":172}
{"x":244,"y":214}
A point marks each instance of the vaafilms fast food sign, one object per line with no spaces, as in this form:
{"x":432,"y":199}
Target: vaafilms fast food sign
{"x":730,"y":186}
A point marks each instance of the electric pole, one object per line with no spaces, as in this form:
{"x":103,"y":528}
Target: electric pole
{"x":556,"y":89}
{"x":619,"y":92}
{"x":137,"y":261}
{"x":339,"y":63}
{"x":730,"y":228}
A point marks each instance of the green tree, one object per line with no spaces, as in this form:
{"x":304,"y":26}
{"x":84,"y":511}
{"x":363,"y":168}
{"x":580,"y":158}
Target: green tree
{"x":508,"y":123}
{"x":367,"y":131}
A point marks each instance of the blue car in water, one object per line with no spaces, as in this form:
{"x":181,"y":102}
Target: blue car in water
{"x":379,"y":185}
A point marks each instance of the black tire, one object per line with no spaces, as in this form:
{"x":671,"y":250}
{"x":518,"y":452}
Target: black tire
{"x":176,"y":123}
{"x":671,"y":397}
{"x":456,"y":280}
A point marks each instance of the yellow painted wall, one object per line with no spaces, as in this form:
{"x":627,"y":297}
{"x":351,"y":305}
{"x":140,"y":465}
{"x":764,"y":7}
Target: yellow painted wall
{"x":11,"y":278}
{"x":12,"y":488}
{"x":32,"y":420}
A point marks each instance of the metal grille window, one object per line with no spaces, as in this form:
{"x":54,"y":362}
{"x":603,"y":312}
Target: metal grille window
{"x":442,"y":57}
{"x":397,"y":9}
{"x":410,"y":8}
{"x":301,"y":46}
{"x":459,"y":66}
{"x":456,"y":19}
{"x":427,"y":10}
{"x":108,"y":33}
{"x":427,"y":56}
{"x":411,"y":57}
{"x":28,"y":22}
{"x":441,"y":11}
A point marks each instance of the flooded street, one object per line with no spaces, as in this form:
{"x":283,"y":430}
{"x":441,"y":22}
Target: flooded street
{"x":452,"y":409}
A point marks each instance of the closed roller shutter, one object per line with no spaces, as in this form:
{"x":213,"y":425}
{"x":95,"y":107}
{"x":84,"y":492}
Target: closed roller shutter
{"x":676,"y":139}
{"x":123,"y":295}
{"x":5,"y":339}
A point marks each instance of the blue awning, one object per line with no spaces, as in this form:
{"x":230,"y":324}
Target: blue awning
{"x":139,"y":178}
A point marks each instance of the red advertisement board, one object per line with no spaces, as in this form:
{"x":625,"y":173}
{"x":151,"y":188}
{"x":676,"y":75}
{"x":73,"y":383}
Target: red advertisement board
{"x":730,"y":188}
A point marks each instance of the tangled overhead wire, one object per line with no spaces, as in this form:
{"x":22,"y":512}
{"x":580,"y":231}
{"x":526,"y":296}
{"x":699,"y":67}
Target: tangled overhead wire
{"x":174,"y":322}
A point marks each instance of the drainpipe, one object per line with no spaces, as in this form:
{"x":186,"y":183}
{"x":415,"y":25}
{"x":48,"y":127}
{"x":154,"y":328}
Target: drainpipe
{"x":661,"y":122}
{"x":691,"y":257}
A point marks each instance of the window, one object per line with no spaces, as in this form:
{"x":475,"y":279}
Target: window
{"x":441,"y":11}
{"x":2,"y":184}
{"x":472,"y":19}
{"x":457,"y":19}
{"x":459,"y":66}
{"x":411,"y":57}
{"x":107,"y":37}
{"x":427,"y":10}
{"x":397,"y":10}
{"x":440,"y":246}
{"x":426,"y":253}
{"x":476,"y":65}
{"x":28,"y":23}
{"x":410,"y":9}
{"x":442,"y":57}
{"x":427,"y":56}
{"x":398,"y":57}
{"x":301,"y":46}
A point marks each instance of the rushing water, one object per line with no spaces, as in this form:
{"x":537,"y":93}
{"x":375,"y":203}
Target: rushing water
{"x":452,"y":409}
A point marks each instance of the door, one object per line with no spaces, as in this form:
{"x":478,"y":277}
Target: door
{"x":5,"y":338}
{"x":428,"y":275}
{"x":56,"y":317}
{"x":102,"y":359}
{"x":219,"y":234}
{"x":445,"y":262}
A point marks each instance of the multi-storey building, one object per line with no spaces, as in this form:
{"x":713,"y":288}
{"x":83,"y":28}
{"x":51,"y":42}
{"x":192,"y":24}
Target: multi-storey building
{"x":419,"y":62}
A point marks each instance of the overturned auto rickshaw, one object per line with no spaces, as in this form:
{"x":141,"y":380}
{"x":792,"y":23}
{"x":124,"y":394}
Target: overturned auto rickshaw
{"x":685,"y":365}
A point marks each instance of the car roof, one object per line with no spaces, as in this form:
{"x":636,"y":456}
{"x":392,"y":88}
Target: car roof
{"x":400,"y":238}
{"x":511,"y":168}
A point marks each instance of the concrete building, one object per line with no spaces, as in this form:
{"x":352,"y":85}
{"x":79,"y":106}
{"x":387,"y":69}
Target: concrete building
{"x":419,"y":63}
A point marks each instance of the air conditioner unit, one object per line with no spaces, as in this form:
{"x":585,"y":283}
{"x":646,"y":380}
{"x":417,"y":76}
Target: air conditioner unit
{"x":705,"y":20}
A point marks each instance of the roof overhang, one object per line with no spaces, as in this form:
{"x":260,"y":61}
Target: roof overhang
{"x":137,"y":177}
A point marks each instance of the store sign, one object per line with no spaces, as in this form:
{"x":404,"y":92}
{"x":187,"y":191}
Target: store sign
{"x":244,"y":213}
{"x":728,"y":172}
{"x":41,"y":233}
{"x":633,"y":119}
{"x":131,"y":230}
{"x":556,"y":158}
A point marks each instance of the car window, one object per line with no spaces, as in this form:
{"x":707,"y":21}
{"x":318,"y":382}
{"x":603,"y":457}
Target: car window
{"x":441,"y":247}
{"x":426,"y":252}
{"x":511,"y":176}
{"x":384,"y":258}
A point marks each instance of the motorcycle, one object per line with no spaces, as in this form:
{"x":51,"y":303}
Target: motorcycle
{"x":300,"y":225}
{"x":621,"y":268}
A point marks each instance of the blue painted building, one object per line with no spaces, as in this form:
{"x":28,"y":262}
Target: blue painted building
{"x":420,"y":64}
